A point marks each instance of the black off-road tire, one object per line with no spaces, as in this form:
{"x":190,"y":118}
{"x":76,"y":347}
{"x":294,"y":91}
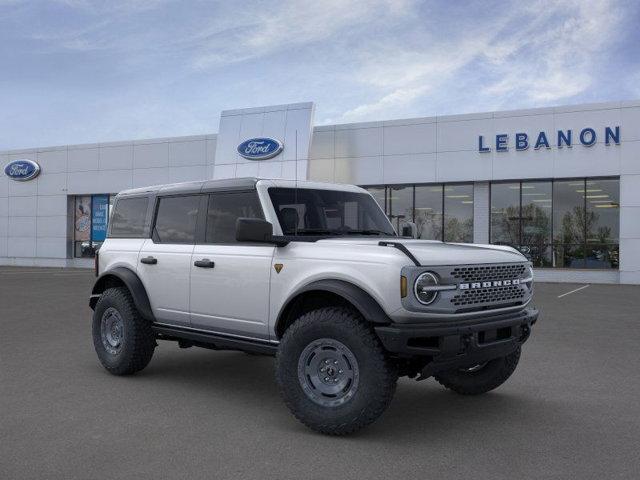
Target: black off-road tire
{"x":376,"y":378}
{"x":137,"y":339}
{"x":482,"y":380}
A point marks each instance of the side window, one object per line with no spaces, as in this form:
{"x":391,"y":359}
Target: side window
{"x":128,"y":217}
{"x":292,"y":217}
{"x":224,"y":209}
{"x":176,"y":219}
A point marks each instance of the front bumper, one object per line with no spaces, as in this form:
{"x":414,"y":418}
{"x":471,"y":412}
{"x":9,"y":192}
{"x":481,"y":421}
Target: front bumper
{"x":445,"y":346}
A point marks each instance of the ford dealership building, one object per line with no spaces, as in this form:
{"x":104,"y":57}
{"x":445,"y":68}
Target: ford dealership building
{"x":560,"y":184}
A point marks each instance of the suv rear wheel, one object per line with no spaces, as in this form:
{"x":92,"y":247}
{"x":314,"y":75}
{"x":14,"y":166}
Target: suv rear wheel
{"x":123,"y":339}
{"x":333,"y":373}
{"x":480,"y":378}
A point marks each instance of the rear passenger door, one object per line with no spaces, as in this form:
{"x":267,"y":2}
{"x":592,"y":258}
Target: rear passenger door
{"x":230,"y":280}
{"x":164,"y":262}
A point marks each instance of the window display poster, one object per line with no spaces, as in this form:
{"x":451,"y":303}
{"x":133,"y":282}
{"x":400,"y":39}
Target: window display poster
{"x":82,"y":229}
{"x":100,"y":215}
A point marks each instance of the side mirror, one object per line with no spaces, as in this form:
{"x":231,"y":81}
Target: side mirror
{"x":253,"y":230}
{"x":410,"y":229}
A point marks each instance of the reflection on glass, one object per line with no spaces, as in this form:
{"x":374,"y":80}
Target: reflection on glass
{"x":603,"y":223}
{"x":111,"y":200}
{"x":458,"y":213}
{"x":566,"y":224}
{"x":400,"y":206}
{"x":568,"y":212}
{"x":603,"y":211}
{"x":428,"y":212}
{"x":505,"y":214}
{"x":378,"y":194}
{"x":602,"y":256}
{"x":536,"y":222}
{"x":568,"y":256}
{"x":569,"y":223}
{"x":84,"y":245}
{"x":82,"y":227}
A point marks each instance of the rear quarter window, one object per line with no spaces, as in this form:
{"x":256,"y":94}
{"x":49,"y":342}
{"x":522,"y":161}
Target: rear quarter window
{"x":128,"y":218}
{"x":176,"y":219}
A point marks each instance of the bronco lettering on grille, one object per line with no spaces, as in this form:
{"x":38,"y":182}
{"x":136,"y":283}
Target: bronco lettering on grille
{"x":488,"y":284}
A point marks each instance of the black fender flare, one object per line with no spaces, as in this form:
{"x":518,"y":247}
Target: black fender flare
{"x":368,"y":307}
{"x":132,"y":282}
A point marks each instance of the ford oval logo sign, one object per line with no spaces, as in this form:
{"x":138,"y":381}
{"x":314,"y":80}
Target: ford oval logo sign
{"x":22,"y":170}
{"x":260,"y":148}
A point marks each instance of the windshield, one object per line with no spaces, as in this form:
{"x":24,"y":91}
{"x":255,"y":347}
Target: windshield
{"x":305,"y":211}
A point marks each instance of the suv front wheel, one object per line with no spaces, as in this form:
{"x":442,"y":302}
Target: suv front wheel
{"x":333,"y":373}
{"x":123,"y":339}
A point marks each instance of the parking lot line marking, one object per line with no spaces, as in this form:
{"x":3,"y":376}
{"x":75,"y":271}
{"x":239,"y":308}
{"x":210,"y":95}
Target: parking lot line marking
{"x":573,"y":291}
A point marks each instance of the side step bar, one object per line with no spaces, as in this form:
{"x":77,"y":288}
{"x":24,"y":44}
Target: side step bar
{"x":215,"y":341}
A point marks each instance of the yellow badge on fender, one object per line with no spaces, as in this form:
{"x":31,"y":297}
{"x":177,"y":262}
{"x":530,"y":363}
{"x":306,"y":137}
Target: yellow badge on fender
{"x":278,"y":267}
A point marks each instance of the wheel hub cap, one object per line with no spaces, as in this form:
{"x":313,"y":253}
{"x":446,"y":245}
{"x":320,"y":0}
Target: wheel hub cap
{"x":328,"y":372}
{"x":111,"y":330}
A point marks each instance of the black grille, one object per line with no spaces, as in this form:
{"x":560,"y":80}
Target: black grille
{"x":481,"y":273}
{"x":508,"y":294}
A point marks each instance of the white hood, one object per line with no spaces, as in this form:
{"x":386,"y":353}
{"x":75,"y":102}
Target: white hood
{"x":430,"y":252}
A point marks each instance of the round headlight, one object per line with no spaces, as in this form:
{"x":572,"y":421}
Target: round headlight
{"x":529,"y":276}
{"x":421,"y":288}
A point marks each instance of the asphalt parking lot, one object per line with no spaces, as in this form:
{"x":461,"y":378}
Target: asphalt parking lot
{"x":571,"y":410}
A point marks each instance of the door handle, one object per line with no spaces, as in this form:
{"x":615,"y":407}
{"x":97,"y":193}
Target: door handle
{"x":204,"y":263}
{"x":149,"y":260}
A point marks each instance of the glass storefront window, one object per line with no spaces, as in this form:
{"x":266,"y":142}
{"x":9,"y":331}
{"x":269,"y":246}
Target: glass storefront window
{"x":564,"y":223}
{"x":603,"y":223}
{"x":536,"y":200}
{"x":91,"y":218}
{"x":505,"y":214}
{"x":458,"y":213}
{"x":440,"y":212}
{"x":82,"y":227}
{"x":569,"y":223}
{"x":400,"y":201}
{"x":428,"y":211}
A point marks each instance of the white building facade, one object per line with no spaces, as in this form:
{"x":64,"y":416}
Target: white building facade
{"x":561,"y":184}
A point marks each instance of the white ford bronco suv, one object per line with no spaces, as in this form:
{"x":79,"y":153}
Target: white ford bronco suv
{"x":314,"y":274}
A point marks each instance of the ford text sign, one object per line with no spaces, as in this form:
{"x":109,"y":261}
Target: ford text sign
{"x":22,"y":170}
{"x":260,"y":148}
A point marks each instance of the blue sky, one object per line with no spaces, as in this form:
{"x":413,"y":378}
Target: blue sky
{"x":77,"y":71}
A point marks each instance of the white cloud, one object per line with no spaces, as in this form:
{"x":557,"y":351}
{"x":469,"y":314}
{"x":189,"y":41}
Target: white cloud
{"x":404,"y":77}
{"x":544,"y":52}
{"x":554,"y":63}
{"x":398,"y":98}
{"x":286,"y":25}
{"x":359,"y":60}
